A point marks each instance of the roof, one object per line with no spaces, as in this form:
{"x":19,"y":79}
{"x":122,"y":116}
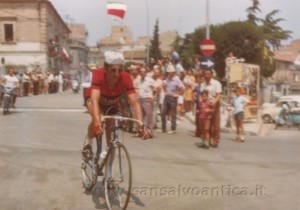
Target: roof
{"x":286,"y":55}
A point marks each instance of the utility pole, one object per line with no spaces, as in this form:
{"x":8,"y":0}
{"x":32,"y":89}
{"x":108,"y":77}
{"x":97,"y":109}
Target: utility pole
{"x":147,"y":25}
{"x":207,"y":20}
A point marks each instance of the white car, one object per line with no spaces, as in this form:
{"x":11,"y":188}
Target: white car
{"x":271,"y":110}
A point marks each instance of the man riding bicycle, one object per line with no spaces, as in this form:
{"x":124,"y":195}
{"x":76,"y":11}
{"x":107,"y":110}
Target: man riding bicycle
{"x":11,"y":81}
{"x":102,"y":97}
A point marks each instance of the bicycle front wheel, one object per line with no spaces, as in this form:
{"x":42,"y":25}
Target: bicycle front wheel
{"x":89,"y":166}
{"x":118,"y":178}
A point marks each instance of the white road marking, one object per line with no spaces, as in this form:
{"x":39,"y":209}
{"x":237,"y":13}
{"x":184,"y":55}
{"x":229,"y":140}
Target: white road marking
{"x":46,"y":110}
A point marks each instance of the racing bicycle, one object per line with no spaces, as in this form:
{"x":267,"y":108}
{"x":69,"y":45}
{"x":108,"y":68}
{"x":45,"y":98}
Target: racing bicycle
{"x":114,"y":161}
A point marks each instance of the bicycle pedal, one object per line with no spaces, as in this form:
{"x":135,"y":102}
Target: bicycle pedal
{"x":87,"y":155}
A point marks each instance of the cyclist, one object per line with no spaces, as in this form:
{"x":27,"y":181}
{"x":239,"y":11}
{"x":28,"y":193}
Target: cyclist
{"x":108,"y":84}
{"x":11,"y":81}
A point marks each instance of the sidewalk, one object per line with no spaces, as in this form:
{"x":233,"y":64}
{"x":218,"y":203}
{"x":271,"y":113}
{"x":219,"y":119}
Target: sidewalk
{"x":253,"y":127}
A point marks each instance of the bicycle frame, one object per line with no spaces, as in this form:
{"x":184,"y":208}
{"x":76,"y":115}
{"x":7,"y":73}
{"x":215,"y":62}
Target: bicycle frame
{"x":115,"y":138}
{"x":118,"y":172}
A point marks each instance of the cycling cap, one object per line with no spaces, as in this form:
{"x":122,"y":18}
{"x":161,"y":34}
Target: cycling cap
{"x":113,"y":58}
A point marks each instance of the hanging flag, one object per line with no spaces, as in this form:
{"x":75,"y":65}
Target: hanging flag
{"x":65,"y":54}
{"x":116,"y":9}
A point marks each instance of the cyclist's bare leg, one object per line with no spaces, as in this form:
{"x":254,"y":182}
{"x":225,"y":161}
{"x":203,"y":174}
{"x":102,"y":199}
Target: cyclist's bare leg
{"x":90,"y":133}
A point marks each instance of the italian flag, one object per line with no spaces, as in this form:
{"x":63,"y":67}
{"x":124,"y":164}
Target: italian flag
{"x":65,"y":54}
{"x":116,"y":9}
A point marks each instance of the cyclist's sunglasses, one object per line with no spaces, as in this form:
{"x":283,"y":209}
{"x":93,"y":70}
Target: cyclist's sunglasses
{"x":113,"y":70}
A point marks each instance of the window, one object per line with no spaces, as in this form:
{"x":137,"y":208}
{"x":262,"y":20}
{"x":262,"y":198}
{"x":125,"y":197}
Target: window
{"x":8,"y":27}
{"x":296,"y":77}
{"x":8,"y":32}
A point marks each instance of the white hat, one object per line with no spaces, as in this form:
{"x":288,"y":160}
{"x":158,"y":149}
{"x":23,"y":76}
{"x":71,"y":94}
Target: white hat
{"x":170,"y":68}
{"x":132,"y":66}
{"x":155,"y":67}
{"x":142,"y":69}
{"x":111,"y":57}
{"x":61,"y":72}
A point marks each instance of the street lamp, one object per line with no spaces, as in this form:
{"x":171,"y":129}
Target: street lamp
{"x":147,"y":25}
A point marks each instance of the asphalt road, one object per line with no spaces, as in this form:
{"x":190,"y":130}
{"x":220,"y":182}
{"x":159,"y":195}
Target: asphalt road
{"x":40,"y":158}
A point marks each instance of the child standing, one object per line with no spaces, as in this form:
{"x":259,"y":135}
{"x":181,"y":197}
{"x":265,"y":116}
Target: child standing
{"x":239,"y":102}
{"x":206,"y":108}
{"x":196,"y":94}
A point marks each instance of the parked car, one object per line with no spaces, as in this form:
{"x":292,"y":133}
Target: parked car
{"x":270,"y":111}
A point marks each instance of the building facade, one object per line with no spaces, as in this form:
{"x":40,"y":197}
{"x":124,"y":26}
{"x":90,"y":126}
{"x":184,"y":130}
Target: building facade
{"x":78,"y":51}
{"x":121,"y":39}
{"x":287,"y":74}
{"x":32,"y":33}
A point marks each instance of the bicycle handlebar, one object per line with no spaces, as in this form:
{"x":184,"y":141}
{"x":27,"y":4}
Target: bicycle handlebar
{"x":120,"y":118}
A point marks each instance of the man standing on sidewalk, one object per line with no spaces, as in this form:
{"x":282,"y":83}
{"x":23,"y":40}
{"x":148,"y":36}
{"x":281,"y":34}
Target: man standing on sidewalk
{"x":214,"y":89}
{"x":173,"y":87}
{"x":158,"y":80}
{"x":147,"y":92}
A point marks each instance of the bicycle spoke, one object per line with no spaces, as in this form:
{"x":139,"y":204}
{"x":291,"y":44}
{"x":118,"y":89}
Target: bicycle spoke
{"x":118,"y":178}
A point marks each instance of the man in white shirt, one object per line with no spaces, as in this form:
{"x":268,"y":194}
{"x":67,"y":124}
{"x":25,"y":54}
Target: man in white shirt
{"x":147,"y":92}
{"x":214,"y":89}
{"x":10,"y":81}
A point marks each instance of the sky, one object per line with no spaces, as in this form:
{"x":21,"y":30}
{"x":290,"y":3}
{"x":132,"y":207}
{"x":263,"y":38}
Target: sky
{"x":180,"y":15}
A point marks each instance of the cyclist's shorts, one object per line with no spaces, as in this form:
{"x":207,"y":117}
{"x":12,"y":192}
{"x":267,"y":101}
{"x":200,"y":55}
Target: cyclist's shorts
{"x":87,"y":100}
{"x":107,"y":110}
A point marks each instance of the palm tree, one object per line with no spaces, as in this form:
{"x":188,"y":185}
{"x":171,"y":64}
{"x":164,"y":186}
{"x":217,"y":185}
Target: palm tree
{"x":274,"y":34}
{"x":252,"y":11}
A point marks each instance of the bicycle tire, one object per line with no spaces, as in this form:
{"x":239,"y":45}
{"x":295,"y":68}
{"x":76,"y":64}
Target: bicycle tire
{"x":118,"y":177}
{"x":89,"y":169}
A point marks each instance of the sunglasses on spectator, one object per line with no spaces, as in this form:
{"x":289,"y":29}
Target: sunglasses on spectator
{"x":113,"y":70}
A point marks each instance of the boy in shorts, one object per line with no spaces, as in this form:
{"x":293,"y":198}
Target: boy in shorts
{"x":238,"y":103}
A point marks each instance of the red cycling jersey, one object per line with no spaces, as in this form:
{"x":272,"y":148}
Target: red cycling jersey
{"x":110,"y":96}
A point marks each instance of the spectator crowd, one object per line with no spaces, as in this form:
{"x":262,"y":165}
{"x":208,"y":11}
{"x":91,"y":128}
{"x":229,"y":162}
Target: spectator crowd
{"x":38,"y":82}
{"x":167,"y":92}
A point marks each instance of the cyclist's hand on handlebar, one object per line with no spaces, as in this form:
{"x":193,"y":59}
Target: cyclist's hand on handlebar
{"x":98,"y":129}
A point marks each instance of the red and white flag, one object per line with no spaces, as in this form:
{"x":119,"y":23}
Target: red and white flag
{"x":116,"y":9}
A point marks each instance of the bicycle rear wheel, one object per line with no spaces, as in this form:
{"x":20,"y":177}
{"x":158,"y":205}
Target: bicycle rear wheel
{"x":89,"y":167}
{"x":118,"y":178}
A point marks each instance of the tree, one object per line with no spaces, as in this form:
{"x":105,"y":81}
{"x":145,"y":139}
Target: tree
{"x":252,"y":11}
{"x":185,"y":47}
{"x":250,"y":40}
{"x":244,"y":39}
{"x":155,"y":51}
{"x":273,"y":33}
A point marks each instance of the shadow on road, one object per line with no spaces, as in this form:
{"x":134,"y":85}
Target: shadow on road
{"x":98,"y":197}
